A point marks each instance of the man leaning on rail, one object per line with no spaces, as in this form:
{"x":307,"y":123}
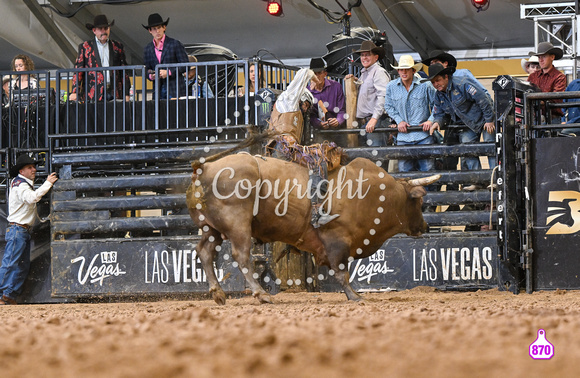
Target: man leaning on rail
{"x":101,"y":51}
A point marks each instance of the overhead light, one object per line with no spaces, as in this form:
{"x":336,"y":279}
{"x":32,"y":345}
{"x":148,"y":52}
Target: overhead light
{"x":481,"y":5}
{"x":274,"y":7}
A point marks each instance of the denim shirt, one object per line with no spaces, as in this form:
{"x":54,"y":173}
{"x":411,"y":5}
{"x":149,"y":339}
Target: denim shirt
{"x":573,"y":113}
{"x":412,"y":106}
{"x":467,"y":101}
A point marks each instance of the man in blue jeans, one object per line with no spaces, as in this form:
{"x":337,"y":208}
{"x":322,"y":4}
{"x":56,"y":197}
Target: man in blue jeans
{"x":409,"y":103}
{"x":21,"y":216}
{"x":462,"y":97}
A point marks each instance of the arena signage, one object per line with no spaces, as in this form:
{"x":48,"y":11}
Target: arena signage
{"x":84,"y":267}
{"x":556,"y":213}
{"x":404,"y":263}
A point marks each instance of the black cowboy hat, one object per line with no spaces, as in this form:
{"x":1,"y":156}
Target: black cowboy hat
{"x":370,"y":46}
{"x":100,"y":21}
{"x":317,"y":64}
{"x":21,"y":162}
{"x":442,"y":56}
{"x":547,"y":48}
{"x":438,"y":69}
{"x":155,"y":19}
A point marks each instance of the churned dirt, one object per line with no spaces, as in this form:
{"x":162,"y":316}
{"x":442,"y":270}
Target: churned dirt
{"x":414,"y":333}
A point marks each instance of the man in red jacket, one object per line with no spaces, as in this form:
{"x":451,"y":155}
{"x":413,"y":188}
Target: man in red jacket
{"x":100,"y":52}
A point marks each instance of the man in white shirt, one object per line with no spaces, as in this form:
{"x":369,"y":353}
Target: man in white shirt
{"x":21,"y":216}
{"x":371,"y":93}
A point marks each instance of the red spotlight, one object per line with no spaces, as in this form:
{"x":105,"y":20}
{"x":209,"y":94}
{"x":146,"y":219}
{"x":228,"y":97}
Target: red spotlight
{"x":481,"y":5}
{"x":274,"y":8}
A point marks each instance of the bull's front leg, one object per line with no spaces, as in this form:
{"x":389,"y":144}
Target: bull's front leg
{"x":343,"y":276}
{"x":338,"y":257}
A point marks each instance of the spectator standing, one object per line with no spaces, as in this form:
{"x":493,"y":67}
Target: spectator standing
{"x":371,"y":92}
{"x":462,"y":98}
{"x":531,"y":65}
{"x":409,"y":103}
{"x":22,"y":215}
{"x":329,"y":105}
{"x":101,"y":51}
{"x":23,"y":81}
{"x":452,"y":134}
{"x":548,"y":78}
{"x":164,"y":50}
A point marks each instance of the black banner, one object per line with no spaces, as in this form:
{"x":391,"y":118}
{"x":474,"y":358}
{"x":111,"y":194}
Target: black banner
{"x":404,"y":263}
{"x":556,"y":227}
{"x":86,"y":267}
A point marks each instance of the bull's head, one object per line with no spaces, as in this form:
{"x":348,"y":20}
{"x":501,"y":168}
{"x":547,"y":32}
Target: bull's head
{"x":415,"y":193}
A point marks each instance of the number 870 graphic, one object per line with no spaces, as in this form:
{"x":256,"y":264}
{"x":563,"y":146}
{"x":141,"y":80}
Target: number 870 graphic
{"x":541,"y":349}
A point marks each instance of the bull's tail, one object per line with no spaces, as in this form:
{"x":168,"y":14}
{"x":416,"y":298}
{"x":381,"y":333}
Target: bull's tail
{"x":253,"y":138}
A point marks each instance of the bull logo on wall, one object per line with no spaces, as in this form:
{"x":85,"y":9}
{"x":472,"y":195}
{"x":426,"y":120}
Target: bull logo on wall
{"x":563,"y":212}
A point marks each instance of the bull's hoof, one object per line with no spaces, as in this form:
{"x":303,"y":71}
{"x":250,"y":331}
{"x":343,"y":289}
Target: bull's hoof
{"x":219,"y":297}
{"x":264,"y":298}
{"x":354,"y":297}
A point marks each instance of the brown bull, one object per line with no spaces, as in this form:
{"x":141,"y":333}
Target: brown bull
{"x":242,"y":196}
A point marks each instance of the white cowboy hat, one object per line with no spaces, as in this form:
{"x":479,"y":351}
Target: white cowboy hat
{"x":406,"y":61}
{"x":526,"y":63}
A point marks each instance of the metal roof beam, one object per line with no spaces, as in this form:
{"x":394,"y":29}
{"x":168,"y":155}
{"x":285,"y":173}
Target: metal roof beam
{"x":410,"y":26}
{"x":68,"y":49}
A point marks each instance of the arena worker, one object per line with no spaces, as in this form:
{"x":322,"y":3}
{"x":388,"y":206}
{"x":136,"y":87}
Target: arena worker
{"x":22,"y":215}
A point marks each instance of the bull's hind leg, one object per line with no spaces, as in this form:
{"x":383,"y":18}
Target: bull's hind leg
{"x":206,"y":251}
{"x":241,"y":245}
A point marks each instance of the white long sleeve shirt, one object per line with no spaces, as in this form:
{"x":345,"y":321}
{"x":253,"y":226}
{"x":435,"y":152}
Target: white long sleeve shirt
{"x":23,"y":198}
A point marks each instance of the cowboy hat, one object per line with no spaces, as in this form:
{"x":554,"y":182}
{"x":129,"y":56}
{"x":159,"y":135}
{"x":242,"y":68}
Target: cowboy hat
{"x":441,"y":56}
{"x":526,"y":63}
{"x":100,"y":21}
{"x":547,"y":48}
{"x":155,"y":19}
{"x":437,"y":69}
{"x":21,"y":162}
{"x":370,"y":46}
{"x":317,"y":65}
{"x":406,"y":61}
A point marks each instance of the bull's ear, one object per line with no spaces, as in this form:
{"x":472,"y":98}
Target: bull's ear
{"x":417,"y":192}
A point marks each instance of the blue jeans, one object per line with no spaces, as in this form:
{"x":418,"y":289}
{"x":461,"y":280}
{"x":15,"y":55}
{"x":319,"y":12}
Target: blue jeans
{"x":487,"y":137}
{"x":423,"y":165}
{"x":16,"y":261}
{"x":469,"y":163}
{"x":375,"y":139}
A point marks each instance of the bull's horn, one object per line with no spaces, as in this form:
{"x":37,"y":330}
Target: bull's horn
{"x":424,"y":180}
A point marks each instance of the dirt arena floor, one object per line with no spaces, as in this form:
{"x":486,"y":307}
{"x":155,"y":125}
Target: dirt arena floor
{"x":414,"y":333}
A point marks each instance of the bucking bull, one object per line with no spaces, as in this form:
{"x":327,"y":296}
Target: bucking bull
{"x":241,"y":196}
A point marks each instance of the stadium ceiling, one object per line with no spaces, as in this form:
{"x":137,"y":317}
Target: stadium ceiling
{"x":50,"y":30}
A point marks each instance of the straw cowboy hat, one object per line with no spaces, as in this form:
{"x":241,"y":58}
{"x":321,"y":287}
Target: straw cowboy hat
{"x":547,"y":48}
{"x":21,"y":162}
{"x":438,"y":69}
{"x":370,"y":46}
{"x":155,"y":19}
{"x":406,"y":61}
{"x":526,"y":63}
{"x":441,"y":56}
{"x":100,"y":21}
